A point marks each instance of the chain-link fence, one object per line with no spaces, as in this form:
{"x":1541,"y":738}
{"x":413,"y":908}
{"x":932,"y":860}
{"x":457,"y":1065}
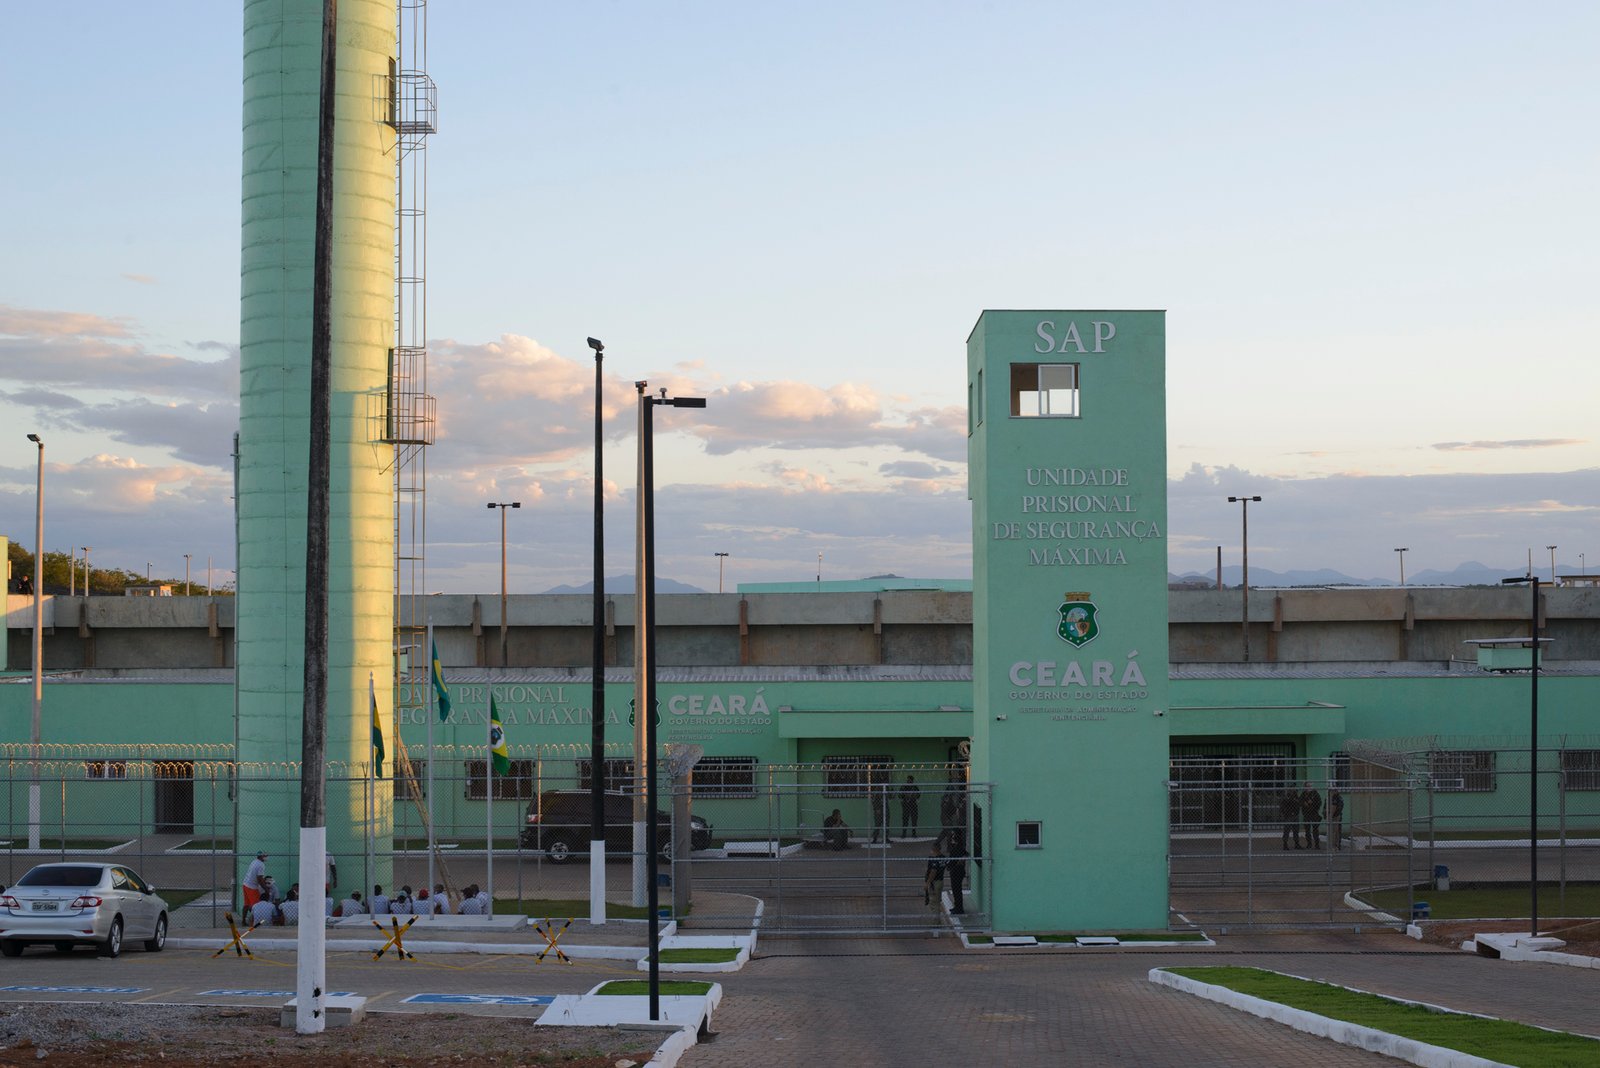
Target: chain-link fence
{"x":1265,"y":842}
{"x":1461,"y":808}
{"x":191,"y":821}
{"x":840,"y":846}
{"x":1381,"y":830}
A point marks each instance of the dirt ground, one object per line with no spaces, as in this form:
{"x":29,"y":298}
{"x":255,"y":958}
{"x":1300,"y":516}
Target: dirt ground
{"x":1582,"y":936}
{"x":77,"y":1035}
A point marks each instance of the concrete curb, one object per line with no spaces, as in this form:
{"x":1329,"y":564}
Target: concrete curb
{"x":518,"y":949}
{"x":1377,"y":914}
{"x":1406,"y":1049}
{"x":739,"y":942}
{"x":688,"y":1017}
{"x":1510,"y":948}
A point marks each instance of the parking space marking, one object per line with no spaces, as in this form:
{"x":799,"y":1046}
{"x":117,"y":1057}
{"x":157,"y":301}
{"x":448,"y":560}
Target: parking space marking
{"x":265,"y":994}
{"x":478,"y":999}
{"x":72,"y":989}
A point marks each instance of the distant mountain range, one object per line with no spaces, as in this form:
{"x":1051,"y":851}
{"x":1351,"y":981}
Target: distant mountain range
{"x":1471,"y":573}
{"x":624,"y":584}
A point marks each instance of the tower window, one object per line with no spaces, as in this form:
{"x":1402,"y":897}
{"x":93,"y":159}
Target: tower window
{"x":1047,"y":390}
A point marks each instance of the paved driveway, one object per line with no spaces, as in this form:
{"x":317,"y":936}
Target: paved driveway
{"x":896,"y":1002}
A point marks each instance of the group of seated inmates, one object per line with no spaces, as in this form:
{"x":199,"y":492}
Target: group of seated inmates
{"x":275,"y":911}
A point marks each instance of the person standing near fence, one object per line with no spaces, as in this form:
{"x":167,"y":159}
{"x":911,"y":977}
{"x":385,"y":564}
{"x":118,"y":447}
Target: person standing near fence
{"x":910,"y":795}
{"x":880,"y":810}
{"x":1336,"y":817}
{"x":1311,"y":814}
{"x":956,"y":869}
{"x":1289,"y":813}
{"x":255,"y":878}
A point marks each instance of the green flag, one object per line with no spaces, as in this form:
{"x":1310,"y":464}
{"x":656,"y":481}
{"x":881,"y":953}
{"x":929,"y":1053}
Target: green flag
{"x":497,"y":741}
{"x":377,"y":728}
{"x":440,"y":692}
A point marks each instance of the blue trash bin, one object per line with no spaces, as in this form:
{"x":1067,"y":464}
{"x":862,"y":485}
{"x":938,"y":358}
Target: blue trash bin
{"x":1441,"y":877}
{"x":1420,"y":910}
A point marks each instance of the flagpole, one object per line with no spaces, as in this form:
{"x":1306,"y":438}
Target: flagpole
{"x":372,"y":770}
{"x":432,"y":699}
{"x":488,"y":790}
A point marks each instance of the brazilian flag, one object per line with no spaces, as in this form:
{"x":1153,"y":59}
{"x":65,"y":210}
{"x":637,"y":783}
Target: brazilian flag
{"x":377,"y":728}
{"x":440,"y":692}
{"x":497,"y":741}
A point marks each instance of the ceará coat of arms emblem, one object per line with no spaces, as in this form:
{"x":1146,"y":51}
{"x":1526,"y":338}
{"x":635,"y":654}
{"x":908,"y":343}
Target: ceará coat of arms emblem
{"x":1079,"y":625}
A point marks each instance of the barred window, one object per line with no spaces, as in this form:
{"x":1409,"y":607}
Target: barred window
{"x":849,"y":776}
{"x":402,"y":791}
{"x":1462,"y":771}
{"x":725,"y":776}
{"x":618,"y":772}
{"x":105,"y":769}
{"x":515,"y":785}
{"x":1580,"y":769}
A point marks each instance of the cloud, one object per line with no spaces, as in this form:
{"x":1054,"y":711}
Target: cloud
{"x":916,"y":469}
{"x":142,"y":279}
{"x":1515,"y":443}
{"x":74,"y":350}
{"x":520,"y":401}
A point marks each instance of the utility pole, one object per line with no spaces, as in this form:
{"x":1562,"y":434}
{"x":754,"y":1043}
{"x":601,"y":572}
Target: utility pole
{"x":1244,"y":584}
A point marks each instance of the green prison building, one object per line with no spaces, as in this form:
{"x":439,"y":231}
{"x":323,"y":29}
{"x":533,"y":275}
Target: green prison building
{"x":1075,"y":726}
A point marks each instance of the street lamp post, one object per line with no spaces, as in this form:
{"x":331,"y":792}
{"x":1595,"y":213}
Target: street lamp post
{"x":1244,"y":543}
{"x":186,"y":557}
{"x":646,"y":823}
{"x":1552,"y":549}
{"x":721,"y":559}
{"x":503,"y":505}
{"x":1402,"y":553}
{"x":1533,"y":754}
{"x":597,"y":669}
{"x":88,"y":588}
{"x":38,"y":648}
{"x":147,"y":566}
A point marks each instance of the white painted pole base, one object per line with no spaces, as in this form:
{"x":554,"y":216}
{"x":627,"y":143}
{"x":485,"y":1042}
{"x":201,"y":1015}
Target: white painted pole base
{"x":311,"y":940}
{"x":641,"y":868}
{"x":597,"y":882}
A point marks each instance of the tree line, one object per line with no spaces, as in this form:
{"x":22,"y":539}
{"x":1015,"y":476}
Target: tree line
{"x":58,"y":578}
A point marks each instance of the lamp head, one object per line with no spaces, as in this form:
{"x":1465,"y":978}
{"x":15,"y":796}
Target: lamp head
{"x":516,"y":504}
{"x":596,"y":344}
{"x":35,"y":439}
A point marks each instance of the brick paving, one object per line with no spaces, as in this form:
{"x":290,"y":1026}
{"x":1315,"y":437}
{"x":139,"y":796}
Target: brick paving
{"x":914,"y":1002}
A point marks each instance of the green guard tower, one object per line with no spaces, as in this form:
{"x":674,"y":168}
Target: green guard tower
{"x":1067,"y":476}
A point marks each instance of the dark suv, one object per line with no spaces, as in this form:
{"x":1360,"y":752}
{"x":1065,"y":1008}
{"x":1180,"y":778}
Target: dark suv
{"x":558,"y":825}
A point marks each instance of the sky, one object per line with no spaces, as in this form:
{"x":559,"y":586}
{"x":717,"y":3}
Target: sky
{"x":1372,"y":227}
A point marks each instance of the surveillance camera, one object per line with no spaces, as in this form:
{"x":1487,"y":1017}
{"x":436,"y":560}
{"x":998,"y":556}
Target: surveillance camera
{"x":596,"y":344}
{"x":1161,"y":711}
{"x":1000,"y":717}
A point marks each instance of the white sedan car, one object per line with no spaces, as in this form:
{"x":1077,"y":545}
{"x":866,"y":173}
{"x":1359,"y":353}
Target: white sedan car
{"x":66,"y":905}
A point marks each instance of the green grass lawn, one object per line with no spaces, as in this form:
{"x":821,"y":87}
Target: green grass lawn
{"x":70,"y":845}
{"x":508,"y":844}
{"x":1497,"y":1040}
{"x":638,"y":987}
{"x":177,"y":898}
{"x":1492,"y":902}
{"x":1130,"y":936}
{"x":1546,"y":834}
{"x":563,"y":908}
{"x":699,"y":956}
{"x":207,"y":845}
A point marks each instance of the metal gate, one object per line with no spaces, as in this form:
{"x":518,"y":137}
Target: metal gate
{"x":1265,"y":843}
{"x":829,"y":849}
